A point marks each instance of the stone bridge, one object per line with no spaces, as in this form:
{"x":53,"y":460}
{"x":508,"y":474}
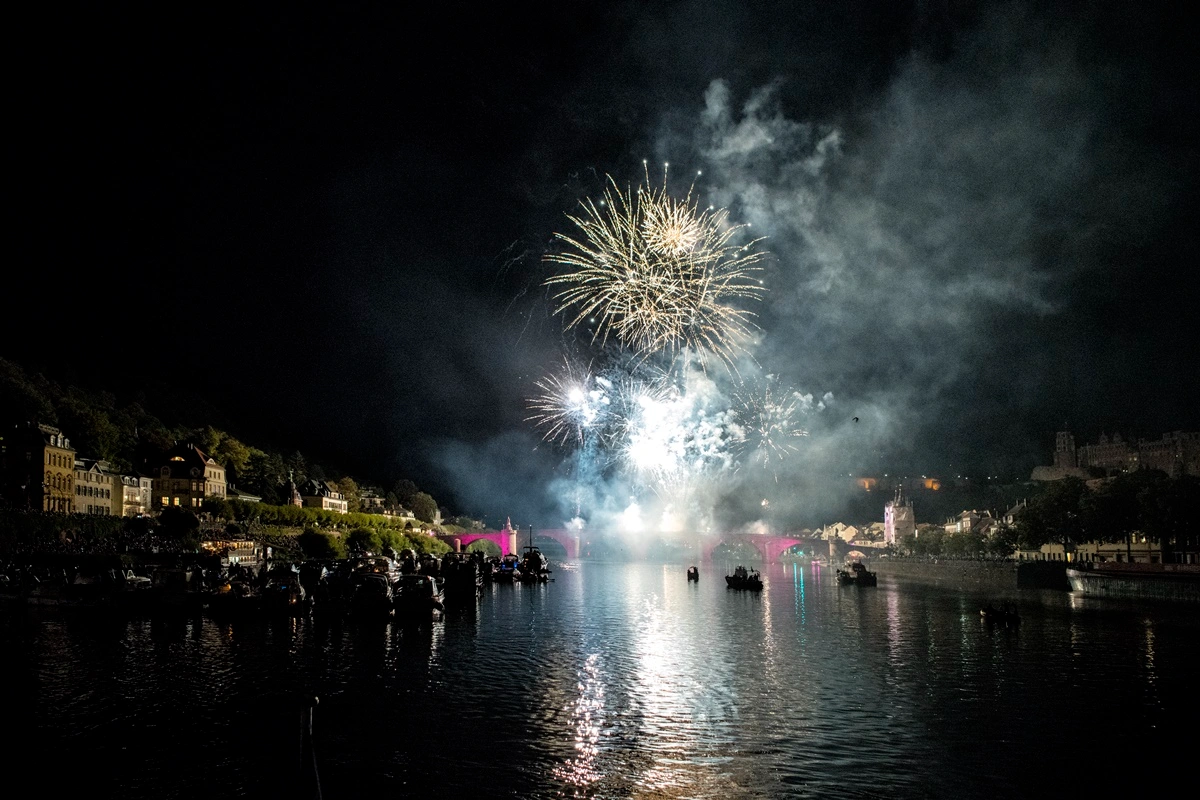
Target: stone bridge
{"x":513,"y":541}
{"x":768,"y":546}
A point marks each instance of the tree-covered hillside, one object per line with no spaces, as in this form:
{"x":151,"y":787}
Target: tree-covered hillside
{"x":125,"y":433}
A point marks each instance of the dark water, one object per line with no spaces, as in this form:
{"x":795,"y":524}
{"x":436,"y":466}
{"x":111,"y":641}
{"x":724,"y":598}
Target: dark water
{"x":620,"y":681}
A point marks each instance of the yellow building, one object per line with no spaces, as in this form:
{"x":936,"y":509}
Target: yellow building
{"x":57,"y":484}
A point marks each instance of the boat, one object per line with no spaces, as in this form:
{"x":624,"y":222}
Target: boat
{"x":418,"y":597}
{"x":855,"y":573}
{"x":283,"y":592}
{"x":489,"y":567}
{"x":377,"y":565}
{"x":233,"y":595}
{"x":372,"y":597}
{"x":1136,"y":580}
{"x":693,"y":574}
{"x":1004,"y":615}
{"x":463,"y":577}
{"x":409,"y":562}
{"x":509,"y":570}
{"x":177,"y":589}
{"x":743,"y":578}
{"x":535,"y":568}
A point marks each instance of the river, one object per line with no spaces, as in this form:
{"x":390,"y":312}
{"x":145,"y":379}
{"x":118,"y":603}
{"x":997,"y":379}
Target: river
{"x":619,"y":681}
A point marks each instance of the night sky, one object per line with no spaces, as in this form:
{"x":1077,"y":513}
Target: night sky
{"x":981,"y":217}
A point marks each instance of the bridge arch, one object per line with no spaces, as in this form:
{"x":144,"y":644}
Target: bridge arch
{"x":768,"y":547}
{"x":459,"y":541}
{"x":568,"y":539}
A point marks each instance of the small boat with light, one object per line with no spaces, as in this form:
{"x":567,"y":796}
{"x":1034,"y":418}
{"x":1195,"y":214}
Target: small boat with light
{"x":743,"y":578}
{"x":855,"y":573}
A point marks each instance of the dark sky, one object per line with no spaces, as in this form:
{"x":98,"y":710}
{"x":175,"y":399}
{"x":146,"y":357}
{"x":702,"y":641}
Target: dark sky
{"x":981,"y":217}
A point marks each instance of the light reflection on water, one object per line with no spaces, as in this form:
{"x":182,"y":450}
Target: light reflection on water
{"x":618,"y":681}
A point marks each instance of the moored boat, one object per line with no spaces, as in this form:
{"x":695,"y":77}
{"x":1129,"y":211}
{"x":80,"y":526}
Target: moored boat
{"x":283,"y":592}
{"x":509,"y":570}
{"x":462,"y":576}
{"x":535,"y":568}
{"x":419,"y":597}
{"x":372,"y":597}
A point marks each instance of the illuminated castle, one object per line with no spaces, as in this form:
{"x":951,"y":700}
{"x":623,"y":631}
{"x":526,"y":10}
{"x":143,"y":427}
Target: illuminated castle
{"x":1176,"y":453}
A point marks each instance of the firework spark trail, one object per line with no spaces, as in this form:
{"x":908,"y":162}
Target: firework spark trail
{"x":658,"y":274}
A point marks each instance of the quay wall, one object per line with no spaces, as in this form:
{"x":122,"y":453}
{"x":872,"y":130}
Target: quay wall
{"x":1181,"y":584}
{"x":969,"y":574}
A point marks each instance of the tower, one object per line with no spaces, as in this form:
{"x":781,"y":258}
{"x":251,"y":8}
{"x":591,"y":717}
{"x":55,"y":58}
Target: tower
{"x":898,"y":518}
{"x":1064,"y":450}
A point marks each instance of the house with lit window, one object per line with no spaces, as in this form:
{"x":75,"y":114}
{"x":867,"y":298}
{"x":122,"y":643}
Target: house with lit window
{"x":184,"y":477}
{"x":323,"y":494}
{"x":371,"y":501}
{"x":136,"y":496}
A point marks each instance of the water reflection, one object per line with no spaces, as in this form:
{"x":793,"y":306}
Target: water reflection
{"x":618,"y":681}
{"x":586,"y":721}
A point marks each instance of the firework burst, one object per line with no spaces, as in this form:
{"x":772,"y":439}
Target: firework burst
{"x":569,"y":403}
{"x":658,"y":273}
{"x":766,"y":421}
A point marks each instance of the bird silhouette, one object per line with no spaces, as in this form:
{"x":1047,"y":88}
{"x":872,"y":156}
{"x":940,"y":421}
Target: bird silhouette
{"x":856,"y":419}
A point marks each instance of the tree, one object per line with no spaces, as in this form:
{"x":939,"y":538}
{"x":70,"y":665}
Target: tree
{"x":423,"y":506}
{"x":319,"y":545}
{"x":265,"y":474}
{"x":231,"y":454}
{"x":296,"y":465}
{"x":404,"y":491}
{"x":1054,"y":516}
{"x":1003,"y":541}
{"x":349,"y":489}
{"x":363,"y":540}
{"x":180,"y":524}
{"x":1167,"y":508}
{"x":218,"y":507}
